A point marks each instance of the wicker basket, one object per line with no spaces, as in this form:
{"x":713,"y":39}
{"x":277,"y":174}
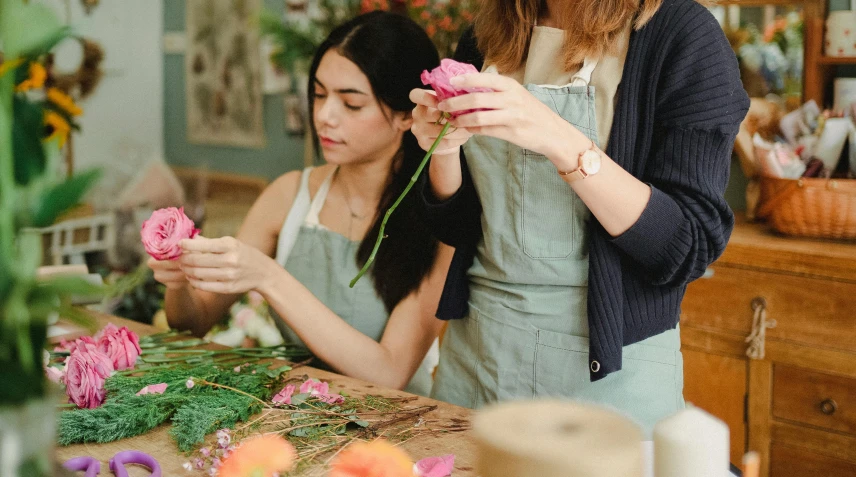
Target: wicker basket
{"x":819,"y":208}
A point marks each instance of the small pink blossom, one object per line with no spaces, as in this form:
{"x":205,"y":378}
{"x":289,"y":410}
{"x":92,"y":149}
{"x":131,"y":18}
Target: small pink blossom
{"x":216,"y":463}
{"x":237,"y":369}
{"x":163,"y":231}
{"x":187,"y":466}
{"x":205,"y":451}
{"x":284,"y":395}
{"x":199,"y":463}
{"x":314,"y":387}
{"x":223,"y":438}
{"x":152,"y":389}
{"x":332,"y":398}
{"x":190,"y":383}
{"x":435,"y":466}
{"x":54,"y":374}
{"x":120,"y":344}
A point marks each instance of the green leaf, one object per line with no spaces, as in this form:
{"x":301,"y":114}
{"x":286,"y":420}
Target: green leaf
{"x":362,"y":423}
{"x":62,"y":197}
{"x":29,"y":27}
{"x":67,"y":286}
{"x":299,"y":399}
{"x":27,"y":132}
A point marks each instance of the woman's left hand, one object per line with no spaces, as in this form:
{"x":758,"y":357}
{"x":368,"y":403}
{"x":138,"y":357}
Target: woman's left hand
{"x":513,"y":115}
{"x":224,"y":265}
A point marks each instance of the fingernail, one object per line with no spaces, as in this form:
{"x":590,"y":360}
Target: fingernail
{"x":441,"y":106}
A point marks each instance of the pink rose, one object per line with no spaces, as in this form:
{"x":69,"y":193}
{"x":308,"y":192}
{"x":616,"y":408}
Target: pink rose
{"x":86,"y":370}
{"x":332,"y":398}
{"x":314,"y":388}
{"x":439,"y":77}
{"x":284,"y":396}
{"x":164,"y":230}
{"x":152,"y":389}
{"x":435,"y":466}
{"x":72,"y":346}
{"x":120,"y":344}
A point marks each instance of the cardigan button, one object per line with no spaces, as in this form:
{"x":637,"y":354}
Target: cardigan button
{"x":595,"y":366}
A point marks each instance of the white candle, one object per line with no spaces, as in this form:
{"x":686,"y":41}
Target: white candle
{"x":691,"y":443}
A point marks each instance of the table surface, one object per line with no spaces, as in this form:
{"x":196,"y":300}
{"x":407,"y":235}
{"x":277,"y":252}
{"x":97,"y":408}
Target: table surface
{"x":158,"y":443}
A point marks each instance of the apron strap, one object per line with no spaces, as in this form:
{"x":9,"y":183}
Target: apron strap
{"x":302,"y":210}
{"x":583,"y":76}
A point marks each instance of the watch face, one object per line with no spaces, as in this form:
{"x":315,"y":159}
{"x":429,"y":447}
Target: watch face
{"x":590,"y":162}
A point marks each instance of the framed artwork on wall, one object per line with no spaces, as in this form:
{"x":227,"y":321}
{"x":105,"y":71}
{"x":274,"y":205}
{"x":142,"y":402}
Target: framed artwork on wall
{"x":223,"y":74}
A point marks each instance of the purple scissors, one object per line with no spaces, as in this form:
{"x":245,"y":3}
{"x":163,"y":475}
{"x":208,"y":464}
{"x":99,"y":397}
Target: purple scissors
{"x":117,"y":464}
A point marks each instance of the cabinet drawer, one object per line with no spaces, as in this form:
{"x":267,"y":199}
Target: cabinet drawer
{"x":813,"y":398}
{"x":787,"y":461}
{"x":807,"y":310}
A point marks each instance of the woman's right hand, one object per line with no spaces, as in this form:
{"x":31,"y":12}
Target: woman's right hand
{"x":426,"y":129}
{"x":169,"y":273}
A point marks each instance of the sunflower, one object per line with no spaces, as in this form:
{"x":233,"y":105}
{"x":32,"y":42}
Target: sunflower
{"x":37,"y":78}
{"x":262,"y":456}
{"x":64,"y":102}
{"x":374,"y":459}
{"x":56,"y":127}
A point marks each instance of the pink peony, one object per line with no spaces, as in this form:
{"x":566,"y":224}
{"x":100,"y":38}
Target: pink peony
{"x":164,"y":230}
{"x":435,"y":466}
{"x":284,"y":395}
{"x":152,"y":389}
{"x":439,"y":77}
{"x":314,"y":388}
{"x":86,"y":370}
{"x":120,"y":344}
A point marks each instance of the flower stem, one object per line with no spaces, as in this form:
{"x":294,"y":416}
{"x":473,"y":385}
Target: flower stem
{"x":413,"y":179}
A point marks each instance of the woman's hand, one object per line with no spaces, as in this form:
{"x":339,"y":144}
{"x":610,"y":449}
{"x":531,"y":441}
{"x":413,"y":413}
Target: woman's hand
{"x":512,"y":114}
{"x":426,"y":129}
{"x":168,"y":272}
{"x":224,"y":265}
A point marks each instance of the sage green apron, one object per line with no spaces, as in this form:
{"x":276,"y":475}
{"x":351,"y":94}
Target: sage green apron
{"x":324,"y":262}
{"x":527,"y":331}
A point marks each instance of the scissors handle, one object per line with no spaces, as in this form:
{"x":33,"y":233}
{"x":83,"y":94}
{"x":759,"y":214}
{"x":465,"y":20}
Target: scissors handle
{"x":89,"y":464}
{"x":117,"y":463}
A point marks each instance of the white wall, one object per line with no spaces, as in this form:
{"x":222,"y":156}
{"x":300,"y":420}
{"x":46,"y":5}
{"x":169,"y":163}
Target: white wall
{"x":122,"y":123}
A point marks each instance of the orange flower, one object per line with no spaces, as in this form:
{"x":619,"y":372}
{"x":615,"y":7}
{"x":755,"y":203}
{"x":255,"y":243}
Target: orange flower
{"x":431,"y":30}
{"x":64,"y":101}
{"x":37,"y":78}
{"x":374,"y":459}
{"x":57,"y":127}
{"x":445,"y":24}
{"x":263,"y":455}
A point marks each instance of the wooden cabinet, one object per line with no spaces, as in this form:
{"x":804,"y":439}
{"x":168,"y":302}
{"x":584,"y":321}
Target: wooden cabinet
{"x":796,"y":405}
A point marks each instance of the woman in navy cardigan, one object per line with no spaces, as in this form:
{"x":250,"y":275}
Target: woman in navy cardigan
{"x":582,"y":197}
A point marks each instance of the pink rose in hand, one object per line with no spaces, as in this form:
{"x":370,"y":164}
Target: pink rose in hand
{"x":120,"y":344}
{"x":439,"y":77}
{"x":86,"y":370}
{"x":284,"y":395}
{"x":164,"y":230}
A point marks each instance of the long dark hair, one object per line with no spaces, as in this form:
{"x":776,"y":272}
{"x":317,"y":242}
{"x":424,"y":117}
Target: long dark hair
{"x":392,"y":51}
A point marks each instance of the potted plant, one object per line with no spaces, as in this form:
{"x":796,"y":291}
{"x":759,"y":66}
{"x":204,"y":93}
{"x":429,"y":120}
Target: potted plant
{"x":35,"y":120}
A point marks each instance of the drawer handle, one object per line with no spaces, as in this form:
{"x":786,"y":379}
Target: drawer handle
{"x":828,"y":407}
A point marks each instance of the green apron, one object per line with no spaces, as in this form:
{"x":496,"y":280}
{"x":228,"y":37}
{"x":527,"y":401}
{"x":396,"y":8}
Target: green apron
{"x":324,"y":262}
{"x":527,"y":331}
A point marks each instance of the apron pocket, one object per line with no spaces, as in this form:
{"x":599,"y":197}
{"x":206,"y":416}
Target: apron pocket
{"x":561,"y":364}
{"x":549,"y":210}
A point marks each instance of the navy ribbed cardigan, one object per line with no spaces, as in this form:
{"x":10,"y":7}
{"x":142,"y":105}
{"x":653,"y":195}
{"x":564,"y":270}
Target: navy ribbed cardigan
{"x":678,"y":108}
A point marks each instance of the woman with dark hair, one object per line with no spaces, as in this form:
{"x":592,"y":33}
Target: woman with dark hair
{"x":582,"y":196}
{"x":310,"y":231}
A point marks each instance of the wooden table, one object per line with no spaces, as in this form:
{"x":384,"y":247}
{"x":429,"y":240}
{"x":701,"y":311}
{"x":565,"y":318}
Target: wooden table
{"x":158,"y":443}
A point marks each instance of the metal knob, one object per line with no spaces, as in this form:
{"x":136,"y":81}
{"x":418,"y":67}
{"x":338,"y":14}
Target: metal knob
{"x":828,"y":407}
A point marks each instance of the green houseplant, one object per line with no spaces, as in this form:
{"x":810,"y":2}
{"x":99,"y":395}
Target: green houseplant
{"x":34,"y":121}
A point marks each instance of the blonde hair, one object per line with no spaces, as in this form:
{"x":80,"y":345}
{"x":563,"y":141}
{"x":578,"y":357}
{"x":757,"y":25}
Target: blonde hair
{"x":504,"y":27}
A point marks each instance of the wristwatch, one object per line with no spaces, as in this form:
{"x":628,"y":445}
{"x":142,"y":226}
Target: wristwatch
{"x":589,"y":165}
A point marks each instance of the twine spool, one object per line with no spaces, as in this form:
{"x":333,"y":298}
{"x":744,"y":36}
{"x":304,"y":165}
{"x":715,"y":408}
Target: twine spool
{"x":555,"y":439}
